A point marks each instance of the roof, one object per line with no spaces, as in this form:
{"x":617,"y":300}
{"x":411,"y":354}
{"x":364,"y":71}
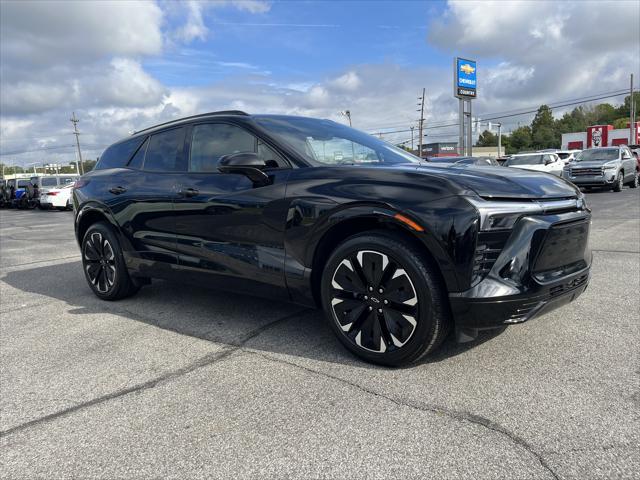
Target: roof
{"x":201,"y":115}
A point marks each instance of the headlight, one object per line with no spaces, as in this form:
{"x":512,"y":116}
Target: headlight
{"x":609,"y":166}
{"x":502,"y":215}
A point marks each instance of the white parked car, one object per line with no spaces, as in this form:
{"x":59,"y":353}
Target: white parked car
{"x":565,"y":155}
{"x":59,"y":198}
{"x":540,"y":162}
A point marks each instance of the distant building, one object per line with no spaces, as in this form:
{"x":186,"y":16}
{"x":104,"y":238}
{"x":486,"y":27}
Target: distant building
{"x":450,"y":149}
{"x":600,"y":136}
{"x":441,"y":149}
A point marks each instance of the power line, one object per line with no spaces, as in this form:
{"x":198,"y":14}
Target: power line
{"x":497,"y":116}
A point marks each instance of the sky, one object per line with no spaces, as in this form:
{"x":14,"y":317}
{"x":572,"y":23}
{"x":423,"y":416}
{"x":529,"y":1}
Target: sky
{"x":126,"y":65}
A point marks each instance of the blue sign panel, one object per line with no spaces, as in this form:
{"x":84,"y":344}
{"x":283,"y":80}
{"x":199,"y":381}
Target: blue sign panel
{"x":465,"y":77}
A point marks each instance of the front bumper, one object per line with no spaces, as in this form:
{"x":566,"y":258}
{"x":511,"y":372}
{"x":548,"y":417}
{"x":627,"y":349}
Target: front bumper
{"x":608,"y":178}
{"x":542,"y":266}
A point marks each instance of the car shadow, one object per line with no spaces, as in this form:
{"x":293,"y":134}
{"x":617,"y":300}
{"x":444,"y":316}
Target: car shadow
{"x":211,"y":315}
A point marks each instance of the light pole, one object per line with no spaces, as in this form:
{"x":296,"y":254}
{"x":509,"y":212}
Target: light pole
{"x":499,"y":139}
{"x":347,"y":113}
{"x":412,"y":128}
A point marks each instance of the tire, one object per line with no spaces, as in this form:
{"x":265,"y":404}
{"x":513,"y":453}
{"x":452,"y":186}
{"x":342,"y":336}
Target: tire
{"x":393,"y":327}
{"x":636,"y":180}
{"x":619,"y":183}
{"x":103,"y":264}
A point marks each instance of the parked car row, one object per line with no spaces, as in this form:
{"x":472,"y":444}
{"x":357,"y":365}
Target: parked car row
{"x":602,"y":167}
{"x":43,"y":191}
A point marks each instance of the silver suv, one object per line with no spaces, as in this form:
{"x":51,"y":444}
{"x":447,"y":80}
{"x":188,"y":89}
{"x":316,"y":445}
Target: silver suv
{"x":608,"y":167}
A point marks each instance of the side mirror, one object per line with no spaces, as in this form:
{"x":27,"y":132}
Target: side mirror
{"x":246,"y":163}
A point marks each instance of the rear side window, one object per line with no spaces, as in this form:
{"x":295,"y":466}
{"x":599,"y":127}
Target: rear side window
{"x":138,"y":159}
{"x":165,"y":151}
{"x":118,"y":155}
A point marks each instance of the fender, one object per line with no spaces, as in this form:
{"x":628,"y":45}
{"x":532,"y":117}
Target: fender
{"x":93,"y":208}
{"x":324,"y":217}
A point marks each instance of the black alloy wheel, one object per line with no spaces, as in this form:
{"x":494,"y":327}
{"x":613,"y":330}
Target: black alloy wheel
{"x":100,"y":262}
{"x":374,"y":301}
{"x":636,"y":180}
{"x":383,"y":300}
{"x":103,"y":264}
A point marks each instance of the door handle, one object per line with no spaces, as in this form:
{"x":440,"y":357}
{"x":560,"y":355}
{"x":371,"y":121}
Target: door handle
{"x":189,"y":192}
{"x":117,"y":190}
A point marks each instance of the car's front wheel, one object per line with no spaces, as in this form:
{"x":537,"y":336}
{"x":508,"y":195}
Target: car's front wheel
{"x":617,"y":187}
{"x":635,"y":181}
{"x":384,"y":299}
{"x":103,"y":264}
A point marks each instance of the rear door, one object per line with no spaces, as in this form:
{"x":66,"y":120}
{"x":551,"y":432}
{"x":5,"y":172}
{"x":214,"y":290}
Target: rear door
{"x":228,"y":229}
{"x":142,"y":195}
{"x":629,"y":164}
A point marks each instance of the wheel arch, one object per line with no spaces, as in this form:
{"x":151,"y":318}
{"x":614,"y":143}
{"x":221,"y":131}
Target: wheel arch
{"x":376,"y":221}
{"x":90,"y":214}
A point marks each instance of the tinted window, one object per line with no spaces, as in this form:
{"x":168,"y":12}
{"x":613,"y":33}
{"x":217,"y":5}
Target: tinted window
{"x":66,"y":180}
{"x":210,"y":142}
{"x":48,"y":182}
{"x":323,"y":142}
{"x":164,"y":153}
{"x":525,"y":160}
{"x":23,"y":183}
{"x":138,"y":158}
{"x":118,"y":155}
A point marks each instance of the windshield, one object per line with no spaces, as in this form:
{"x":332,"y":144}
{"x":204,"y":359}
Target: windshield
{"x":597,"y":155}
{"x":525,"y":160}
{"x":323,"y":142}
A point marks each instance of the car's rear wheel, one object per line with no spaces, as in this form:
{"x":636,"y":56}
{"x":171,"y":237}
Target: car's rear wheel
{"x":619,"y":183}
{"x":384,"y":299}
{"x":103,"y":264}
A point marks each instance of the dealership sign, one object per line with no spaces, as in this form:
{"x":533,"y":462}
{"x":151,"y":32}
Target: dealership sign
{"x":464,"y":78}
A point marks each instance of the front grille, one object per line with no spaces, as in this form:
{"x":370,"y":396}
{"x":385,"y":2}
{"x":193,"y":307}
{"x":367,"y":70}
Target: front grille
{"x":488,"y":248}
{"x":578,"y":172}
{"x":563,"y":247}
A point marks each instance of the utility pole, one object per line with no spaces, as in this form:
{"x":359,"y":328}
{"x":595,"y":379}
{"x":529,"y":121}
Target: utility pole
{"x":632,"y":116}
{"x":347,"y":113}
{"x":75,"y":121}
{"x":499,"y":139}
{"x":421,"y":110}
{"x":412,"y":128}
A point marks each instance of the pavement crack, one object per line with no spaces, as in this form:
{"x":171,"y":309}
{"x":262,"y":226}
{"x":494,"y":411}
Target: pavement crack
{"x":204,"y":361}
{"x":454,"y":414}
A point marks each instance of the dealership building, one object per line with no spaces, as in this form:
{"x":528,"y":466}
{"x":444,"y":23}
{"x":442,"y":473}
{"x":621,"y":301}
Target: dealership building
{"x":600,"y":136}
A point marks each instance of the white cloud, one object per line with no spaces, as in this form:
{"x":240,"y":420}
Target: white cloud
{"x":194,"y":28}
{"x":46,"y":33}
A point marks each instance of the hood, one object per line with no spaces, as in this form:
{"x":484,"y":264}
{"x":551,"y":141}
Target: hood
{"x":502,"y":182}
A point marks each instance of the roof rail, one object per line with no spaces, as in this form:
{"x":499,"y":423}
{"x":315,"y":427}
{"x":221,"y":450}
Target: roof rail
{"x":221,"y":112}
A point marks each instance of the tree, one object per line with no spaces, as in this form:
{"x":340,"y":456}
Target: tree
{"x":487,"y":139}
{"x":520,"y":139}
{"x":543,"y":129}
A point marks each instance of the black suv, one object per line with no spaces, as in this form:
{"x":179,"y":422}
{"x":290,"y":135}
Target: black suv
{"x":396,"y":251}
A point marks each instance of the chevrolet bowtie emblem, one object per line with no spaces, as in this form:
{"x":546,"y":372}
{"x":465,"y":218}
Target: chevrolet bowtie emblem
{"x":468,"y":69}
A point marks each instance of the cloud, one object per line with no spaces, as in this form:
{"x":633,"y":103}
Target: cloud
{"x":194,"y":28}
{"x":40,"y":34}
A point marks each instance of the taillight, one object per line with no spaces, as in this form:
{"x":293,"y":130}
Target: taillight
{"x":53,"y":194}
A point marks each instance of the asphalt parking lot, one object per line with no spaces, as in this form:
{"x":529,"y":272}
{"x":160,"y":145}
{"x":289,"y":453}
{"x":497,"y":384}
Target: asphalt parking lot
{"x":184,"y":382}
